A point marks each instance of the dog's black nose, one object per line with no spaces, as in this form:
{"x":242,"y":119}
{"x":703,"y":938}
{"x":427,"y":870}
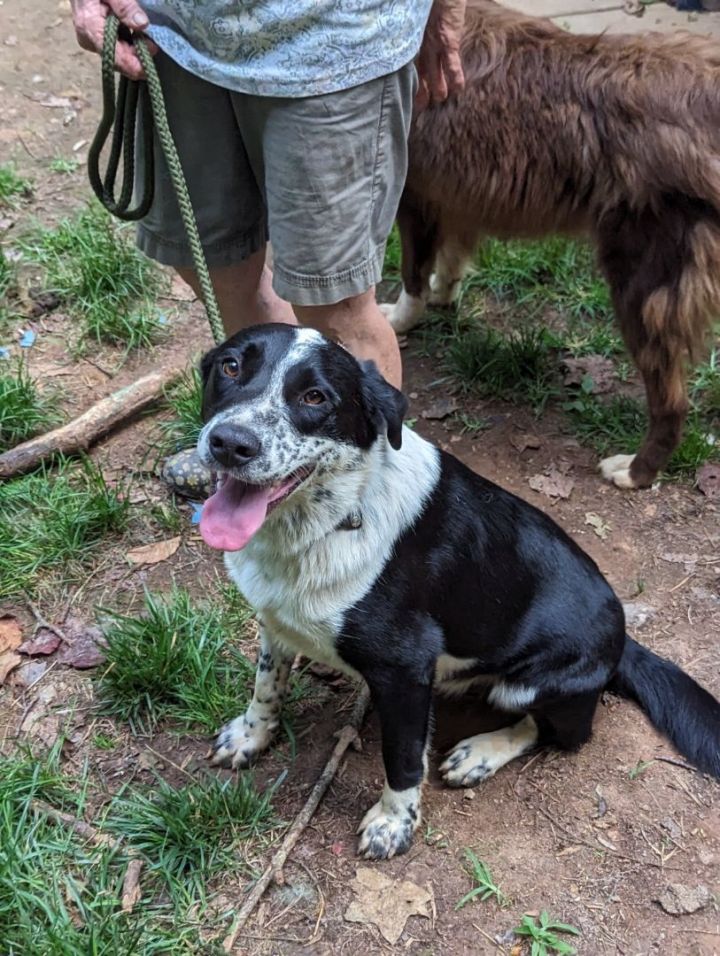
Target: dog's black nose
{"x":232,"y":445}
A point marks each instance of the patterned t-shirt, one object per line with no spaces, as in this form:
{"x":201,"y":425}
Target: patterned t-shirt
{"x":288,"y":47}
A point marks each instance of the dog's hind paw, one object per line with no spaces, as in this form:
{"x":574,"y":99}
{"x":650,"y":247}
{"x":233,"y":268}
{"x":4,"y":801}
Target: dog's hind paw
{"x":617,"y":470}
{"x":240,"y":742}
{"x":388,"y":826}
{"x":479,"y":757}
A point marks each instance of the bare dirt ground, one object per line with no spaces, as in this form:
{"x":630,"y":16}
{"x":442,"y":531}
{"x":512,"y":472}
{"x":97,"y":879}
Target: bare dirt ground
{"x":582,"y":836}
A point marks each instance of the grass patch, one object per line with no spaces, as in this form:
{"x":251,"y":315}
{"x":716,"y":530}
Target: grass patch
{"x":51,"y":520}
{"x":13,"y":186}
{"x":485,"y":887}
{"x":619,"y":425}
{"x":556,"y":273}
{"x":393,"y":256}
{"x":64,"y":166}
{"x":24,"y":411}
{"x":190,"y":834}
{"x":515,"y":368}
{"x":185,"y":402}
{"x":175,"y":662}
{"x":103,"y":278}
{"x":543,"y":935}
{"x":8,"y":293}
{"x":60,"y":895}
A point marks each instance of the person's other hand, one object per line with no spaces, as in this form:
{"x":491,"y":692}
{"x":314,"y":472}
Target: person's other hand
{"x":439,"y":65}
{"x":89,"y":20}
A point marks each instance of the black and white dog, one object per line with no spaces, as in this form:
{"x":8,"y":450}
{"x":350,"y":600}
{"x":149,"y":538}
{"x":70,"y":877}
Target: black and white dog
{"x":361,"y":545}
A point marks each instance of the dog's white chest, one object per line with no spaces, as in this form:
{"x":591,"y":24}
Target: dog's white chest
{"x":303,"y":595}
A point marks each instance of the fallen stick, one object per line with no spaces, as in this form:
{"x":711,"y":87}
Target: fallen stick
{"x":345,"y":737}
{"x":80,"y":433}
{"x":131,"y":883}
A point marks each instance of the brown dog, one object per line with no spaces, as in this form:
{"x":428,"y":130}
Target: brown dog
{"x":614,"y":137}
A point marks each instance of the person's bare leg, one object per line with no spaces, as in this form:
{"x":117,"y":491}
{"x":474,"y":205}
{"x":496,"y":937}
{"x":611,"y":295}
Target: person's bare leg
{"x":360,"y":326}
{"x":244,"y":293}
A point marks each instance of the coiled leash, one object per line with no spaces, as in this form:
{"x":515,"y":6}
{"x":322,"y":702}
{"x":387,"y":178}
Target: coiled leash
{"x":120,"y":116}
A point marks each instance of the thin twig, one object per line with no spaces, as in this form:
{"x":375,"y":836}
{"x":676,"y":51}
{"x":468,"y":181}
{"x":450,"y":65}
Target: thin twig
{"x":83,"y":829}
{"x":678,"y":763}
{"x":345,"y":738}
{"x":131,"y":891}
{"x":42,"y":622}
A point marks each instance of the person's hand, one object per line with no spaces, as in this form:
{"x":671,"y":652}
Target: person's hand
{"x":439,"y":65}
{"x":89,"y":20}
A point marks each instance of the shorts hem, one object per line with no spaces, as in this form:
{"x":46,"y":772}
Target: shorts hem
{"x":302,"y":289}
{"x":229,"y":252}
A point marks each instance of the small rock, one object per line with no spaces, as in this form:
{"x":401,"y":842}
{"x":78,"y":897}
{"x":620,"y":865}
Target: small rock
{"x":680,"y":900}
{"x":637,"y":614}
{"x":30,"y":673}
{"x":45,"y":642}
{"x":440,"y":409}
{"x":672,"y":828}
{"x":706,"y":857}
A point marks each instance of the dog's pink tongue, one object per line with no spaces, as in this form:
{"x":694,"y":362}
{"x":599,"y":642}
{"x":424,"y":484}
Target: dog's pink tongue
{"x":233,"y":514}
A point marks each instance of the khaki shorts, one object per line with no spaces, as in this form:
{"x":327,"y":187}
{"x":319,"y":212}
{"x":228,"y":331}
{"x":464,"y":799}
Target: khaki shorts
{"x":320,"y":177}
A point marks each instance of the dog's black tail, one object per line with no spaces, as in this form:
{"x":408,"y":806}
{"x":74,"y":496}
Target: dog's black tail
{"x":676,"y":705}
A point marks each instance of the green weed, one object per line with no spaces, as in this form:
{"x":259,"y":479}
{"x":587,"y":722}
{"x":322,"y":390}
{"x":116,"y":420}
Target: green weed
{"x":544,"y":938}
{"x":470,"y":425}
{"x":190,"y":834}
{"x":102,"y":277}
{"x":13,"y":186}
{"x":52,"y":520}
{"x":65,"y":166}
{"x":24,"y":411}
{"x":485,"y":887}
{"x":556,"y":273}
{"x":175,"y":661}
{"x":185,"y":402}
{"x":391,"y":265}
{"x":517,"y":367}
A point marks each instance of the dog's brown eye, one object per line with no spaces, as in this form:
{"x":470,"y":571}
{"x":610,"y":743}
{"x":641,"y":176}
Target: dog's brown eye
{"x":231,"y":368}
{"x":313,"y":397}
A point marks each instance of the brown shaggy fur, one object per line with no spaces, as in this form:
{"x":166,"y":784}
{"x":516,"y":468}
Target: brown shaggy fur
{"x":615,"y":137}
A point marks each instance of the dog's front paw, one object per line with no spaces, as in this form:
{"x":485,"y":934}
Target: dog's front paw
{"x":241,"y":741}
{"x":387,"y":828}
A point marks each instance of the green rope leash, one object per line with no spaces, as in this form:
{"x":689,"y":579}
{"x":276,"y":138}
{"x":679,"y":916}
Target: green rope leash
{"x":122,"y":116}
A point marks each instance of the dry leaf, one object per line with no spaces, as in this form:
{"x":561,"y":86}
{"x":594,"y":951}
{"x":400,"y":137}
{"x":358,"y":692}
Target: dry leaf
{"x":601,"y":528}
{"x":10,"y":633}
{"x":708,"y":480}
{"x":553,"y":484}
{"x":45,"y":641}
{"x":386,"y":903}
{"x":679,"y":900}
{"x":594,"y":373}
{"x":440,"y":409}
{"x":10,"y":640}
{"x":155,"y":552}
{"x":521,"y":442}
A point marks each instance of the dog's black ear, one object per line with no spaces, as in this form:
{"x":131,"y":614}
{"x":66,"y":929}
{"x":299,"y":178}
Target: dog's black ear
{"x":206,"y":363}
{"x":383,"y":403}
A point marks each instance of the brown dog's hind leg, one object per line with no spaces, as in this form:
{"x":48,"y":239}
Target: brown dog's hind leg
{"x":660,"y":268}
{"x":451,"y":264}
